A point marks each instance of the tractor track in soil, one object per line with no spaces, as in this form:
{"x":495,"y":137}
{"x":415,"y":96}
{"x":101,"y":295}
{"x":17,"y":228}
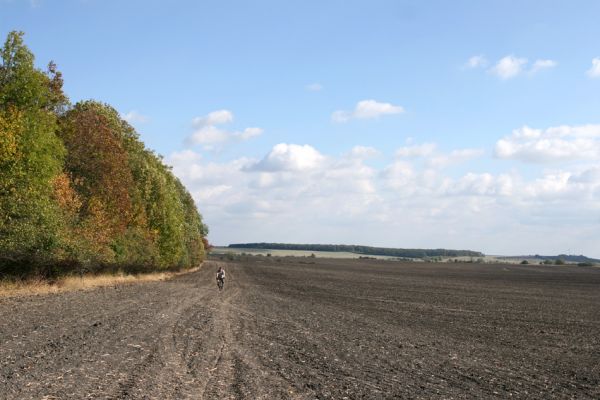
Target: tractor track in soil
{"x":301,"y":328}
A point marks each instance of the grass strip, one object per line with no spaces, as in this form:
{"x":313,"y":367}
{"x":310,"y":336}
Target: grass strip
{"x":37,"y":286}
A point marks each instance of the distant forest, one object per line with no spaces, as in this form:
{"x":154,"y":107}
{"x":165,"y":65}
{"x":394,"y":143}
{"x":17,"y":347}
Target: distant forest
{"x":79,"y":191}
{"x":565,"y":257}
{"x":366,"y":250}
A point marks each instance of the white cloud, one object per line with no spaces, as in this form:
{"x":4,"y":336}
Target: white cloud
{"x":289,"y":157}
{"x":212,"y":192}
{"x":295,"y":193}
{"x":589,"y":175}
{"x":213,"y":118}
{"x":314,"y":87}
{"x":185,"y":156}
{"x":248,"y":133}
{"x":400,"y":175}
{"x":434,"y":158}
{"x":594,"y":71}
{"x":210,"y":137}
{"x":419,"y":150}
{"x":480,"y":184}
{"x":191,"y":167}
{"x":476,"y":62}
{"x":509,"y":67}
{"x":561,"y":143}
{"x":539,"y":65}
{"x":287,"y":182}
{"x":549,"y":185}
{"x":367,"y":109}
{"x":135,"y":117}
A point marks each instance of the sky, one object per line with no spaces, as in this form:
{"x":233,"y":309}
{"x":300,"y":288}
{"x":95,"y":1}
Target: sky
{"x":415,"y":124}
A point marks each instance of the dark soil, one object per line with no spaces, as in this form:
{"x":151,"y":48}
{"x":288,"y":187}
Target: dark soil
{"x":313,"y":329}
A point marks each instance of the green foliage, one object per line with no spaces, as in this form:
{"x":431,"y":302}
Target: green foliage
{"x":78,"y":187}
{"x":31,"y":156}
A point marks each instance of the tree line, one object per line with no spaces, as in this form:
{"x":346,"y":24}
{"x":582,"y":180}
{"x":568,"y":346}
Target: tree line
{"x":78,"y":188}
{"x":366,"y":250}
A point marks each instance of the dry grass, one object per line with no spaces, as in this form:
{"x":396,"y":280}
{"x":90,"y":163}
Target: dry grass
{"x":39,"y":286}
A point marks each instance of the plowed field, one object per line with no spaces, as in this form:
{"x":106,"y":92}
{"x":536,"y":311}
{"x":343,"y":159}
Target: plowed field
{"x":302,"y":328}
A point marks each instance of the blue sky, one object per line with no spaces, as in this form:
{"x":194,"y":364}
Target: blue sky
{"x":464,"y":124}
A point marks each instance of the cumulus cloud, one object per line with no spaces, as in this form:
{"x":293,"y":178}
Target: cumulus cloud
{"x":589,"y":175}
{"x":213,"y":118}
{"x":314,"y":87}
{"x":594,"y":71}
{"x":418,"y":150}
{"x":135,"y":117}
{"x":480,"y":184}
{"x":435,"y":158}
{"x":400,"y":175}
{"x":296,"y":193}
{"x":560,"y":143}
{"x":208,"y":135}
{"x":478,"y":61}
{"x":367,"y":109}
{"x":289,"y":157}
{"x":509,"y":67}
{"x":248,"y":133}
{"x":185,"y":156}
{"x":287,"y":182}
{"x":539,"y":65}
